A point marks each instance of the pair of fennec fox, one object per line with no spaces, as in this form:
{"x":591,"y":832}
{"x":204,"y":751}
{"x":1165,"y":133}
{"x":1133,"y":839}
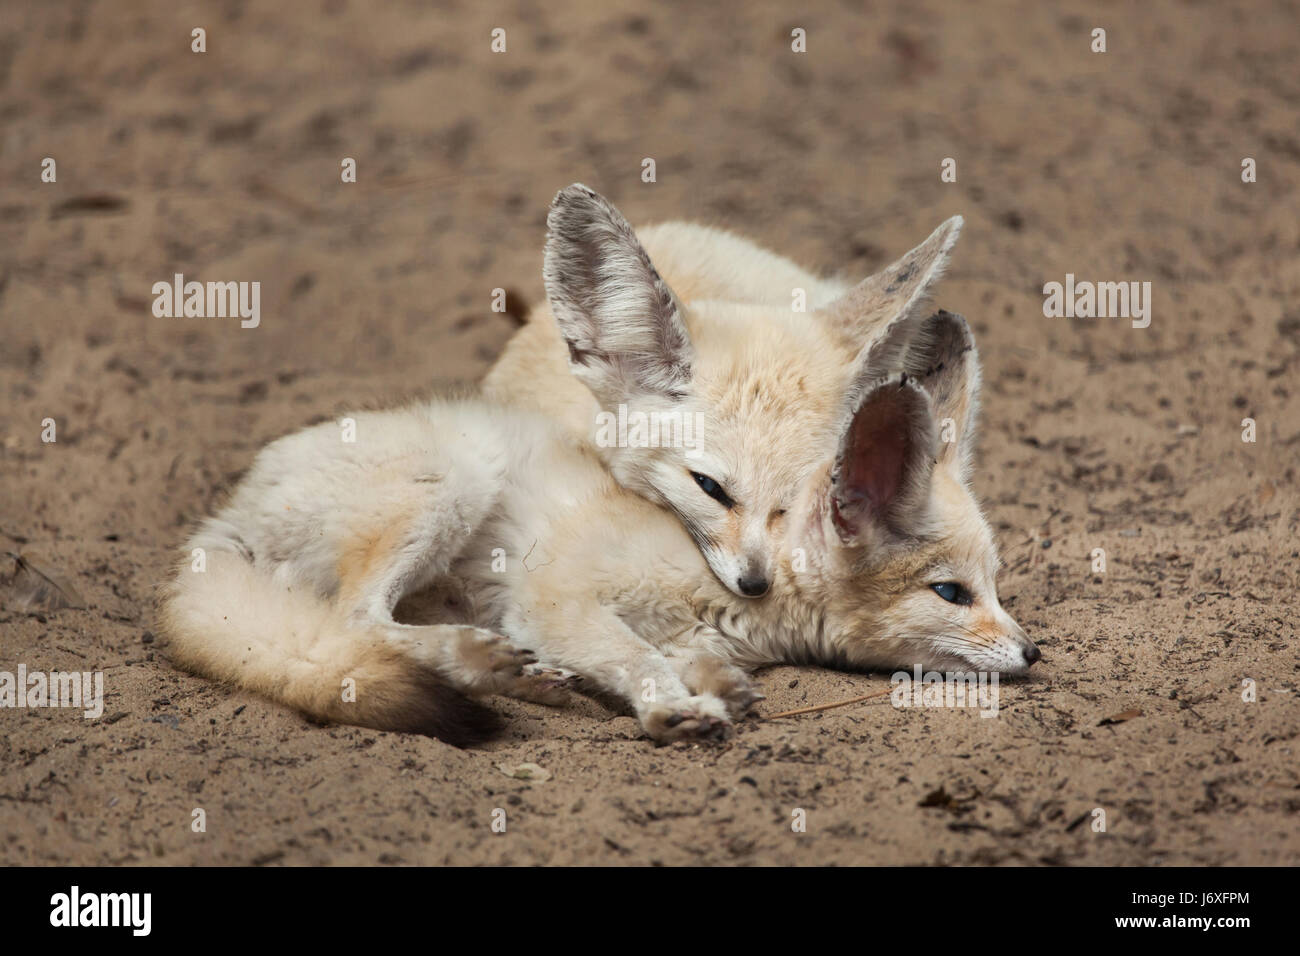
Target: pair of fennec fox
{"x":827,"y":490}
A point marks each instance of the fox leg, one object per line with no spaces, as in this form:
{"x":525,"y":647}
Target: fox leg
{"x":594,"y":642}
{"x":306,"y":565}
{"x":475,"y":660}
{"x":543,"y":683}
{"x":706,"y":673}
{"x":479,"y":661}
{"x":405,"y":547}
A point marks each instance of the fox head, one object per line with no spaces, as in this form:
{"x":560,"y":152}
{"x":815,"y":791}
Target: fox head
{"x":898,"y":555}
{"x":717,"y":411}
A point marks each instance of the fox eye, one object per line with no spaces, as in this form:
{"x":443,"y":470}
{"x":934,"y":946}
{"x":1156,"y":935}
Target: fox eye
{"x":953,"y":593}
{"x":712,"y":489}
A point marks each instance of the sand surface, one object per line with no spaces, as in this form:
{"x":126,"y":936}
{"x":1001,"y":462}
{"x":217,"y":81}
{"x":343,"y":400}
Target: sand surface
{"x":225,"y":166}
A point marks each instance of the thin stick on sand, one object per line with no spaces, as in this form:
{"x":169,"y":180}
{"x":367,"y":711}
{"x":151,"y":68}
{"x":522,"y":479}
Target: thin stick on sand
{"x":838,"y":703}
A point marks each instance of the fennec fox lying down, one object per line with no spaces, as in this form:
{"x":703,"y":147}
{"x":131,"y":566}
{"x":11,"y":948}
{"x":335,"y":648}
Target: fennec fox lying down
{"x":727,"y":291}
{"x":530,"y":563}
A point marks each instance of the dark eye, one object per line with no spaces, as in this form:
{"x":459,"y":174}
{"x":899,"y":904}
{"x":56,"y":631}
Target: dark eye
{"x":712,"y":489}
{"x":953,"y":593}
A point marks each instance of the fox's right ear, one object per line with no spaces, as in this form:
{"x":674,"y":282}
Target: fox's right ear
{"x":880,"y":484}
{"x":876,"y":318}
{"x":621,"y":322}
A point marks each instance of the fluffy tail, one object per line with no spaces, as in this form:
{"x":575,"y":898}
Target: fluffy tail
{"x":233,"y":623}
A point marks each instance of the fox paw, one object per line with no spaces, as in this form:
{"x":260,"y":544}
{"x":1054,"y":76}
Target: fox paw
{"x":714,"y":676}
{"x":486,"y":662}
{"x":543,"y":684}
{"x":741,"y":698}
{"x":696,"y":718}
{"x":735,"y":689}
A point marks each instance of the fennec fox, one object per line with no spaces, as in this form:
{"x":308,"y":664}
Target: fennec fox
{"x":526,"y":562}
{"x":731,"y":495}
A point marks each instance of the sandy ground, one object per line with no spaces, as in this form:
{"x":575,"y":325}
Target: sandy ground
{"x":1117,"y":166}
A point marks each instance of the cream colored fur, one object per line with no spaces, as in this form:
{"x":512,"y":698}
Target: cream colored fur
{"x":628,"y":311}
{"x":530,"y":564}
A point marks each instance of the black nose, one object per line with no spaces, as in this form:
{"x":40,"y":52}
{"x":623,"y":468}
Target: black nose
{"x":1032,"y":653}
{"x":752,"y":585}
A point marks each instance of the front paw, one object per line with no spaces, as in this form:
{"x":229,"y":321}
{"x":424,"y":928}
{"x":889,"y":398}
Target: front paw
{"x":544,"y":684}
{"x":740,"y":695}
{"x":694,"y":718}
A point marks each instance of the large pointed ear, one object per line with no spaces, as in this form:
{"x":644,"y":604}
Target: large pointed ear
{"x":866,"y":314}
{"x":880,"y":484}
{"x":943,"y":358}
{"x":622,"y":323}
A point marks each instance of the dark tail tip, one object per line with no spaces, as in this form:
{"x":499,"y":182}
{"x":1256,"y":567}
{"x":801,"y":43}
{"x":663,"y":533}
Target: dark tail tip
{"x":430,"y":706}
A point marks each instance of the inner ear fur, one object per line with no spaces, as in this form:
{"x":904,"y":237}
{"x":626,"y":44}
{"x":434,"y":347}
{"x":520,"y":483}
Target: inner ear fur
{"x":621,"y":322}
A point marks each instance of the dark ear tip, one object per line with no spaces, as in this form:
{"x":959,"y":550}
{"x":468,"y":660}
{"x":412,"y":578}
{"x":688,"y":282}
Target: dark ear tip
{"x":572,"y":206}
{"x":955,"y":323}
{"x":574,"y":192}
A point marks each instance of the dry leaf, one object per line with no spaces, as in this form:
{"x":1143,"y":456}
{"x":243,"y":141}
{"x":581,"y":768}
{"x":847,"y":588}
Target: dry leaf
{"x":30,"y":588}
{"x":525,"y":771}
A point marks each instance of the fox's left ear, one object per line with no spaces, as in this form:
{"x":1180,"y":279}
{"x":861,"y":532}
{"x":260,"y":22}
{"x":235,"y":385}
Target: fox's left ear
{"x":621,"y":322}
{"x":880,"y":485}
{"x":942,"y":357}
